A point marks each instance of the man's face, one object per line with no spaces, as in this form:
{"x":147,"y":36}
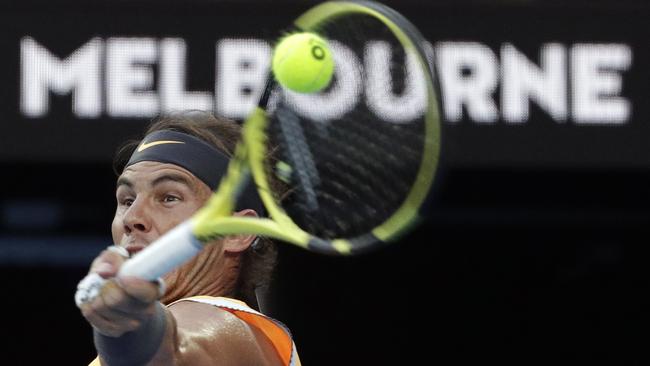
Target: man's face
{"x":152,"y":198}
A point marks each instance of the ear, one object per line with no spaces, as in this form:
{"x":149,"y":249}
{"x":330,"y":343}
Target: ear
{"x":239,"y":243}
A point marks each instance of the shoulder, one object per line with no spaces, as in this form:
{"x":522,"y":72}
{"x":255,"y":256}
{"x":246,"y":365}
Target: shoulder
{"x":196,"y":315}
{"x":200,"y":311}
{"x":214,"y":332}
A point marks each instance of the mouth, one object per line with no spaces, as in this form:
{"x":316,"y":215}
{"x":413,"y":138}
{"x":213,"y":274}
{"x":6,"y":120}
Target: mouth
{"x":134,"y":248}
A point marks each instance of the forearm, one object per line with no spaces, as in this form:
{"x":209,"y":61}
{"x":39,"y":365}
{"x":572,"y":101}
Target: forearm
{"x":156,"y":336}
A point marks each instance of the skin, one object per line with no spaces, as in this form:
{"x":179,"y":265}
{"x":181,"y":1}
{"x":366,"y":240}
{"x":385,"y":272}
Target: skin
{"x":152,"y":198}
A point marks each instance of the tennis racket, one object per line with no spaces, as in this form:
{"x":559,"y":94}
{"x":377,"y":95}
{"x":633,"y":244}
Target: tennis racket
{"x":359,"y":157}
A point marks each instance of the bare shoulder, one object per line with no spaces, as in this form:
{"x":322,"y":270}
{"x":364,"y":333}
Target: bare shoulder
{"x":207,"y":333}
{"x":195,"y":316}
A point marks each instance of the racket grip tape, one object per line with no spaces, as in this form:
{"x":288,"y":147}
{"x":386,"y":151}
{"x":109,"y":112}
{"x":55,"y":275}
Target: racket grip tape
{"x":169,"y":251}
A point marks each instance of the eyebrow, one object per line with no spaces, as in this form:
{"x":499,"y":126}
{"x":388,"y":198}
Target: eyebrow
{"x":121,"y":181}
{"x":169,"y":177}
{"x":172,"y":178}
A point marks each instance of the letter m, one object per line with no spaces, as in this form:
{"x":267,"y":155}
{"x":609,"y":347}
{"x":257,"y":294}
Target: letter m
{"x":42,"y":73}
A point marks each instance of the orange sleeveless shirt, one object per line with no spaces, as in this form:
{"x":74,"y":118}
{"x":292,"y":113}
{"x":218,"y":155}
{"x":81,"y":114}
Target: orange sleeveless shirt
{"x":275,"y":331}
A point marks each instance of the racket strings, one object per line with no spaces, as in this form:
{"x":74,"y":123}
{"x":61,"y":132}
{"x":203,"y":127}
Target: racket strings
{"x":371,"y":178}
{"x":362,"y":165}
{"x":358,"y":186}
{"x":344,"y":168}
{"x":358,"y":165}
{"x":381,"y":139}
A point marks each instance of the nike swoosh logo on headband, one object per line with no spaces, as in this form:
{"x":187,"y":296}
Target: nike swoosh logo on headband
{"x":154,"y":143}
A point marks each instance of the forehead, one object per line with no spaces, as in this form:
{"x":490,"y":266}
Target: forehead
{"x":148,"y":172}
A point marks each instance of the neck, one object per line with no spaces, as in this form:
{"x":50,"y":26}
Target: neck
{"x":211,"y":273}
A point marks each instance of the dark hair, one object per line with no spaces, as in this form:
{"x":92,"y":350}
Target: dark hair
{"x":259,"y":260}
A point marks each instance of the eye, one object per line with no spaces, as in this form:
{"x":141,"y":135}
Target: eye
{"x":126,"y":202}
{"x":170,"y":198}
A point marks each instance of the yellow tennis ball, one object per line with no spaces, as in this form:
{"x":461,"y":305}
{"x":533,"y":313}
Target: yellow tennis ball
{"x":303,"y":62}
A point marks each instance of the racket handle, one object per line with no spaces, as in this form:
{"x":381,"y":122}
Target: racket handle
{"x":169,"y":251}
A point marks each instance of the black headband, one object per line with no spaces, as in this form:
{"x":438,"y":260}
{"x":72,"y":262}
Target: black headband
{"x":197,"y":156}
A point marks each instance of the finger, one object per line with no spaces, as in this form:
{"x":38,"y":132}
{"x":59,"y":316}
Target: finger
{"x":108,"y":263}
{"x":144,"y":291}
{"x":100,"y":314}
{"x":115,"y":295}
{"x":110,"y":324}
{"x":109,"y":321}
{"x":119,"y":250}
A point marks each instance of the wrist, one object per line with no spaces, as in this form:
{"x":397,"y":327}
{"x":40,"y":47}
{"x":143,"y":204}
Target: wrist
{"x":137,"y":347}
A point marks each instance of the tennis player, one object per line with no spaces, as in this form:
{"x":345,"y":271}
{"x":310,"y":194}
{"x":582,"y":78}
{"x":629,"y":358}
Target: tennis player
{"x":204,"y":312}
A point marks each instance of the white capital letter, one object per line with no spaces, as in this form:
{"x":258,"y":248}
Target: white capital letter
{"x":172,"y":79}
{"x":597,"y":83}
{"x":242,"y":65}
{"x":468,"y":76}
{"x":129,"y":77}
{"x":523,"y":80}
{"x":41,"y":72}
{"x":379,"y":91}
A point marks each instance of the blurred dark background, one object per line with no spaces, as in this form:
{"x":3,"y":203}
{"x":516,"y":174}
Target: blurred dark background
{"x":535,"y":250}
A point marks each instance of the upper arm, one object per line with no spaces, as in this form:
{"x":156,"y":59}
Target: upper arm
{"x":207,"y":335}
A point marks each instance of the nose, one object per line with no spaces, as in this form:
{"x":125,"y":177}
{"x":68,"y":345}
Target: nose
{"x":137,"y":218}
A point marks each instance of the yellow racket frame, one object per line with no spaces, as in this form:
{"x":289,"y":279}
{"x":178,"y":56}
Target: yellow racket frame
{"x":214,"y":219}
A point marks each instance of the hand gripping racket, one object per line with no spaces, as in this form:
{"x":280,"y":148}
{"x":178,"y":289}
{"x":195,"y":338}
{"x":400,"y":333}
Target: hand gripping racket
{"x":359,"y":157}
